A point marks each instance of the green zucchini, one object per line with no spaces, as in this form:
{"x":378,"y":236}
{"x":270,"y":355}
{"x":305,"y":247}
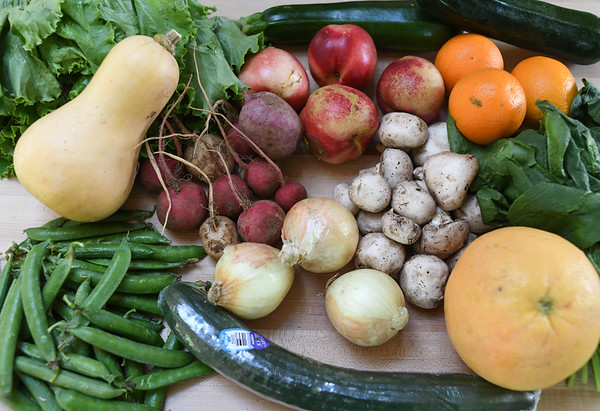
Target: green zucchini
{"x":282,"y":376}
{"x":396,"y":25}
{"x":564,"y":33}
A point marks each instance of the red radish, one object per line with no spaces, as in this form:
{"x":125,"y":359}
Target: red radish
{"x":227,"y":202}
{"x":149,"y":178}
{"x":261,"y":222}
{"x":271,"y":123}
{"x":289,"y":194}
{"x":188,"y":207}
{"x":262,"y":178}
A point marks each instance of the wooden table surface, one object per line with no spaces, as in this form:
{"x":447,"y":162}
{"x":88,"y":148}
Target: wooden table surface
{"x":300,"y":323}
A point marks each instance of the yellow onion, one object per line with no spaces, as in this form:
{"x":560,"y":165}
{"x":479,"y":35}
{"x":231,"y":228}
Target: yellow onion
{"x":319,"y":234}
{"x":250,"y":280}
{"x":366,"y":306}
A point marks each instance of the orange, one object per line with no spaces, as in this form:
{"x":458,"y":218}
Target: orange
{"x":465,"y":53}
{"x":545,"y":78}
{"x":487,"y":104}
{"x":521,"y":308}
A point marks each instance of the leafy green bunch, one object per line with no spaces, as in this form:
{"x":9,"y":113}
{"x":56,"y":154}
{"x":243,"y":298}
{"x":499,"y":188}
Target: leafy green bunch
{"x":51,"y":48}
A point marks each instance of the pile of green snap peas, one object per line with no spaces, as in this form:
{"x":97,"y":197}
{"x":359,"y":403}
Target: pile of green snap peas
{"x":80,"y":326}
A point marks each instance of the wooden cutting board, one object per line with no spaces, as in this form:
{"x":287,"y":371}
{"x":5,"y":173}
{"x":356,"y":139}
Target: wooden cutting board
{"x":300,"y":323}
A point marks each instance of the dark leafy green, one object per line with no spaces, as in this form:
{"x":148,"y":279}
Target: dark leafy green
{"x":50,"y":49}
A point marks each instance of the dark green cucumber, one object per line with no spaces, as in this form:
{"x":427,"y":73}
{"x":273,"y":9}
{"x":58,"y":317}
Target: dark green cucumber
{"x":396,"y":25}
{"x":285,"y":377}
{"x":539,"y":26}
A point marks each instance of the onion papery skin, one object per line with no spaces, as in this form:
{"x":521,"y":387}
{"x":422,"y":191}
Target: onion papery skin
{"x":250,"y":280}
{"x":366,"y":306}
{"x":319,"y":234}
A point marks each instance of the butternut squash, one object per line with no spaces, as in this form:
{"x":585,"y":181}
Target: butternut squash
{"x":81,"y":159}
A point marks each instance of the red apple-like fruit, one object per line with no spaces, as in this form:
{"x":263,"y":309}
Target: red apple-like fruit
{"x":411,"y":84}
{"x":342,"y":54}
{"x":339,"y":123}
{"x":279,"y":72}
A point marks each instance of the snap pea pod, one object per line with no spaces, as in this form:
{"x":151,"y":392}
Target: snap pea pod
{"x":6,"y":277}
{"x":73,"y":361}
{"x":133,"y":369}
{"x":111,"y":279}
{"x":169,"y":253}
{"x":71,"y":400}
{"x":87,"y":265}
{"x":152,"y":323}
{"x":135,"y":284}
{"x":111,"y":362}
{"x":122,"y":326}
{"x":132,"y":350}
{"x":11,"y":316}
{"x":140,"y":236}
{"x":18,"y":400}
{"x":163,"y":378}
{"x":58,"y":276}
{"x":67,"y":379}
{"x":33,"y":304}
{"x":138,"y":302}
{"x":156,"y":397}
{"x":41,"y":392}
{"x":80,"y":231}
{"x":147,"y":264}
{"x":123,"y":215}
{"x":82,"y":292}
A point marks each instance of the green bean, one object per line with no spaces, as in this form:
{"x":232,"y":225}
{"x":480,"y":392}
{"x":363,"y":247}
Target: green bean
{"x":164,"y":378}
{"x":122,"y":326}
{"x":33,"y":304}
{"x":111,"y":279}
{"x":52,"y":286}
{"x":71,"y":400}
{"x":10,"y":322}
{"x":135,"y":284}
{"x":132,"y":350}
{"x":111,"y":362}
{"x":80,"y":231}
{"x":137,"y":302}
{"x":17,"y":400}
{"x":41,"y":392}
{"x":73,"y":361}
{"x":6,"y":277}
{"x":168,"y":253}
{"x":67,"y":379}
{"x":147,"y":265}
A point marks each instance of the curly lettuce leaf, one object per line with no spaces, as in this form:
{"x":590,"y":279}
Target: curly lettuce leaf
{"x":31,"y":21}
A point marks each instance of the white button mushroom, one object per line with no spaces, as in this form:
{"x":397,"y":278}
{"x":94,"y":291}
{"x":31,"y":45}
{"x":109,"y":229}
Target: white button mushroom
{"x":402,"y":130}
{"x":423,"y":279}
{"x":448,"y":176}
{"x":370,"y":191}
{"x":377,"y":251}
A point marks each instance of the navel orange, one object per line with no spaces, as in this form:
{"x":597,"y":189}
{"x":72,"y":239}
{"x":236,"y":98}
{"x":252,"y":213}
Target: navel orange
{"x":465,"y":53}
{"x":487,"y":104}
{"x":545,"y":78}
{"x":522,"y":308}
